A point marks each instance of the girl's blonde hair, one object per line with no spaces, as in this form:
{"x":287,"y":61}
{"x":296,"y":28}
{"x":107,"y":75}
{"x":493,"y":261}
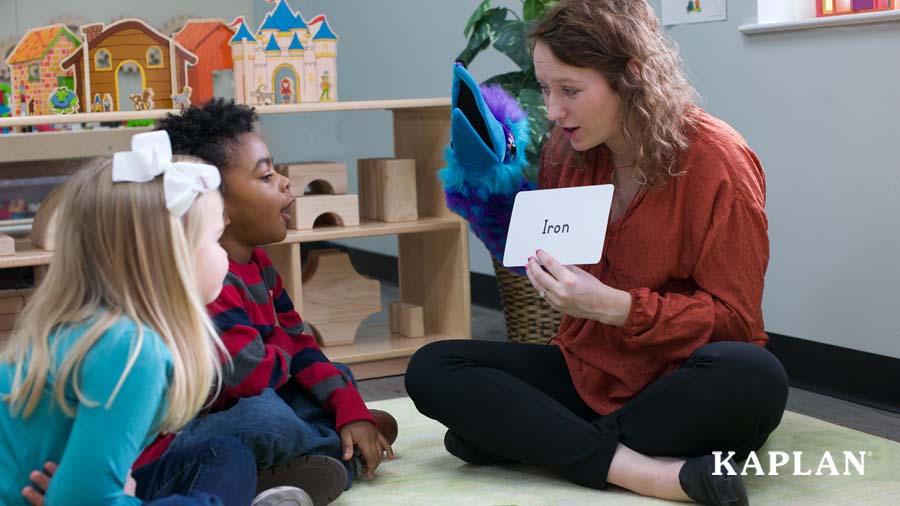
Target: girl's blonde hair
{"x":622,"y":40}
{"x":120,"y":254}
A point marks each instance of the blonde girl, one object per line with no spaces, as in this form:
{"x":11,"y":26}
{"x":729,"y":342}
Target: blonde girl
{"x":115,"y":345}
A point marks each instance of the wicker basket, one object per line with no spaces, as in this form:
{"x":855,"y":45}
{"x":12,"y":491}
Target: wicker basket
{"x":529,"y":319}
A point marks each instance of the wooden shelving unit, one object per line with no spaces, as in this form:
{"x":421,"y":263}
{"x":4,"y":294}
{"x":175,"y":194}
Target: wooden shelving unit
{"x":433,"y":251}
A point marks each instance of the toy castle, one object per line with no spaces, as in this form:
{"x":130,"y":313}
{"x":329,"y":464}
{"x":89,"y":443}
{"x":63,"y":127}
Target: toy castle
{"x":287,"y":61}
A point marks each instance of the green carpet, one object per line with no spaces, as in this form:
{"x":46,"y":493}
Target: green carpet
{"x":424,"y":474}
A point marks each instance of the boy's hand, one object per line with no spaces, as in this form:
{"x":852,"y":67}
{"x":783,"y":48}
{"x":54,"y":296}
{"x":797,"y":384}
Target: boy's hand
{"x":372,"y":444}
{"x":34,"y":494}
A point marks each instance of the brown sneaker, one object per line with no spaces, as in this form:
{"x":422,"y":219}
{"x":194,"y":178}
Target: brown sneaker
{"x":387,"y":424}
{"x":323,"y":478}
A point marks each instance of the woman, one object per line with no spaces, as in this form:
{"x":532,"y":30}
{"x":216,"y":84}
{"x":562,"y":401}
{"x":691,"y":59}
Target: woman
{"x":660,"y":359}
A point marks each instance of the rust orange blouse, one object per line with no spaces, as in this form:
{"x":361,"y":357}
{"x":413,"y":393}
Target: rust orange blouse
{"x":692,"y":254}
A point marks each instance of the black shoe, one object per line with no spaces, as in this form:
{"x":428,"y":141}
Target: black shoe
{"x":698,"y":482}
{"x":323,"y":478}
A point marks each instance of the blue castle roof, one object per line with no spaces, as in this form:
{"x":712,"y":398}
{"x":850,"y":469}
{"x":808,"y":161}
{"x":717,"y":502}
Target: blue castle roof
{"x":295,"y":44}
{"x":243,"y":34}
{"x":299,"y":24}
{"x":273,"y":44}
{"x":268,"y":23}
{"x":325,"y":32}
{"x":282,"y":18}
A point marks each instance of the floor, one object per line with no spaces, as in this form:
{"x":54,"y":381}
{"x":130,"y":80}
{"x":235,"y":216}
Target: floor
{"x":488,"y":324}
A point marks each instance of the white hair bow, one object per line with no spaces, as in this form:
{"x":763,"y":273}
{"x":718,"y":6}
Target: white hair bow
{"x":150,"y":156}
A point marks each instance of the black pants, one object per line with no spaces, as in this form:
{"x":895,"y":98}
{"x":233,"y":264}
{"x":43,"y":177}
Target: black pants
{"x":516,"y":402}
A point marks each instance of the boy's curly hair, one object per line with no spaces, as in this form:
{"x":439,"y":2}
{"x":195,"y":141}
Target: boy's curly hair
{"x":210,"y":131}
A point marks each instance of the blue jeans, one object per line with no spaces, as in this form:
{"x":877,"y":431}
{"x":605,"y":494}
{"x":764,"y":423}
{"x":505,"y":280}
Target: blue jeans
{"x":277,"y":426}
{"x":217,"y":472}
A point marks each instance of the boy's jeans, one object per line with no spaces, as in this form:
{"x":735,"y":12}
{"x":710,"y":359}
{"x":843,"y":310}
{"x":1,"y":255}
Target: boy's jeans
{"x":217,"y":472}
{"x":277,"y":426}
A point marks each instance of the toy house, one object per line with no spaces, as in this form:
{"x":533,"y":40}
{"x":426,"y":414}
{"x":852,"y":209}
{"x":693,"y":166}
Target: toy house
{"x":35,"y":71}
{"x":209,"y":39}
{"x":837,"y":7}
{"x":162,"y":65}
{"x":286,"y":61}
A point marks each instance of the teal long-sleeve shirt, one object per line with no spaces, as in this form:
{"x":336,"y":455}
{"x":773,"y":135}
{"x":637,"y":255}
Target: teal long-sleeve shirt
{"x":97,"y":447}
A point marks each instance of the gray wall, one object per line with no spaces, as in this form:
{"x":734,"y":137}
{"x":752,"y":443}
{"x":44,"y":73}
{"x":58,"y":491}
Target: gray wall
{"x":820,"y":108}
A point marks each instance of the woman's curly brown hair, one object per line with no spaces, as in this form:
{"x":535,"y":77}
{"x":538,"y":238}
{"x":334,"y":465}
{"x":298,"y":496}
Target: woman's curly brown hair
{"x":657,"y":100}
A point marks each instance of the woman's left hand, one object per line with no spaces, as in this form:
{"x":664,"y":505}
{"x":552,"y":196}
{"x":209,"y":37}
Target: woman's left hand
{"x":577,"y":293}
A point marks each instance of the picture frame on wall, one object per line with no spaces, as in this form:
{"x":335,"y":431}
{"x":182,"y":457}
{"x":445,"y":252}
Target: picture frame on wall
{"x":680,"y":12}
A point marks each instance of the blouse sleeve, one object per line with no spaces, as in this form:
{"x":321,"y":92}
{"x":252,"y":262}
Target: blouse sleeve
{"x":727,"y":302}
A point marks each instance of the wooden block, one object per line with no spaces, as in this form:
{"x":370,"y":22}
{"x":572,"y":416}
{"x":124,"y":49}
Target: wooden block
{"x":336,"y":298}
{"x":11,"y":301}
{"x":7,"y":245}
{"x":387,"y":189}
{"x":43,"y":230}
{"x":411,"y":321}
{"x":321,"y":177}
{"x":342,"y":210}
{"x":395,"y":317}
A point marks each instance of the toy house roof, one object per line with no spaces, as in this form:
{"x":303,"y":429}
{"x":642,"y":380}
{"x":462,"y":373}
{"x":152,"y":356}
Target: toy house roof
{"x":195,"y":32}
{"x":131,"y":24}
{"x":35,"y":44}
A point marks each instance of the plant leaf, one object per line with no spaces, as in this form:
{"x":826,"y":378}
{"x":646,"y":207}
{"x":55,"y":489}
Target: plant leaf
{"x":477,"y":15}
{"x":483,"y":33}
{"x":509,"y":39}
{"x":478,"y":42}
{"x":534,"y":10}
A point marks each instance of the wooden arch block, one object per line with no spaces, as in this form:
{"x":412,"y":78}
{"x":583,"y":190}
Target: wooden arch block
{"x":342,"y":209}
{"x":43,"y":229}
{"x":336,"y":298}
{"x":321,"y":177}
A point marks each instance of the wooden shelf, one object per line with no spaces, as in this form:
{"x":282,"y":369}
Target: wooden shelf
{"x":433,"y":252}
{"x":66,"y":145}
{"x":26,"y":255}
{"x":98,"y":117}
{"x":378,"y":353}
{"x":368,"y":228}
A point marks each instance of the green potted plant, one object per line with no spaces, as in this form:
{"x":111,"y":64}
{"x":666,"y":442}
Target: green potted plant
{"x":528,"y":317}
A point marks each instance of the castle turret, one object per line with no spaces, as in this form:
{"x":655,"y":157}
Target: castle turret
{"x":325,"y":48}
{"x":243,"y":46}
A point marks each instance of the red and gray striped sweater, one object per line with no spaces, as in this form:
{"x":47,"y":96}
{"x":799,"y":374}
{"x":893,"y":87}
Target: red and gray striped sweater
{"x":264,"y":335}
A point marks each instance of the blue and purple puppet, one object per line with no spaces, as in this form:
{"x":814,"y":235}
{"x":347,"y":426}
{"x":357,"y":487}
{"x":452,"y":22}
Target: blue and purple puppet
{"x":488,"y":137}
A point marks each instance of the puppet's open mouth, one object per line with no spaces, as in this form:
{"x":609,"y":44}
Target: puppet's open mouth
{"x":465,"y":102}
